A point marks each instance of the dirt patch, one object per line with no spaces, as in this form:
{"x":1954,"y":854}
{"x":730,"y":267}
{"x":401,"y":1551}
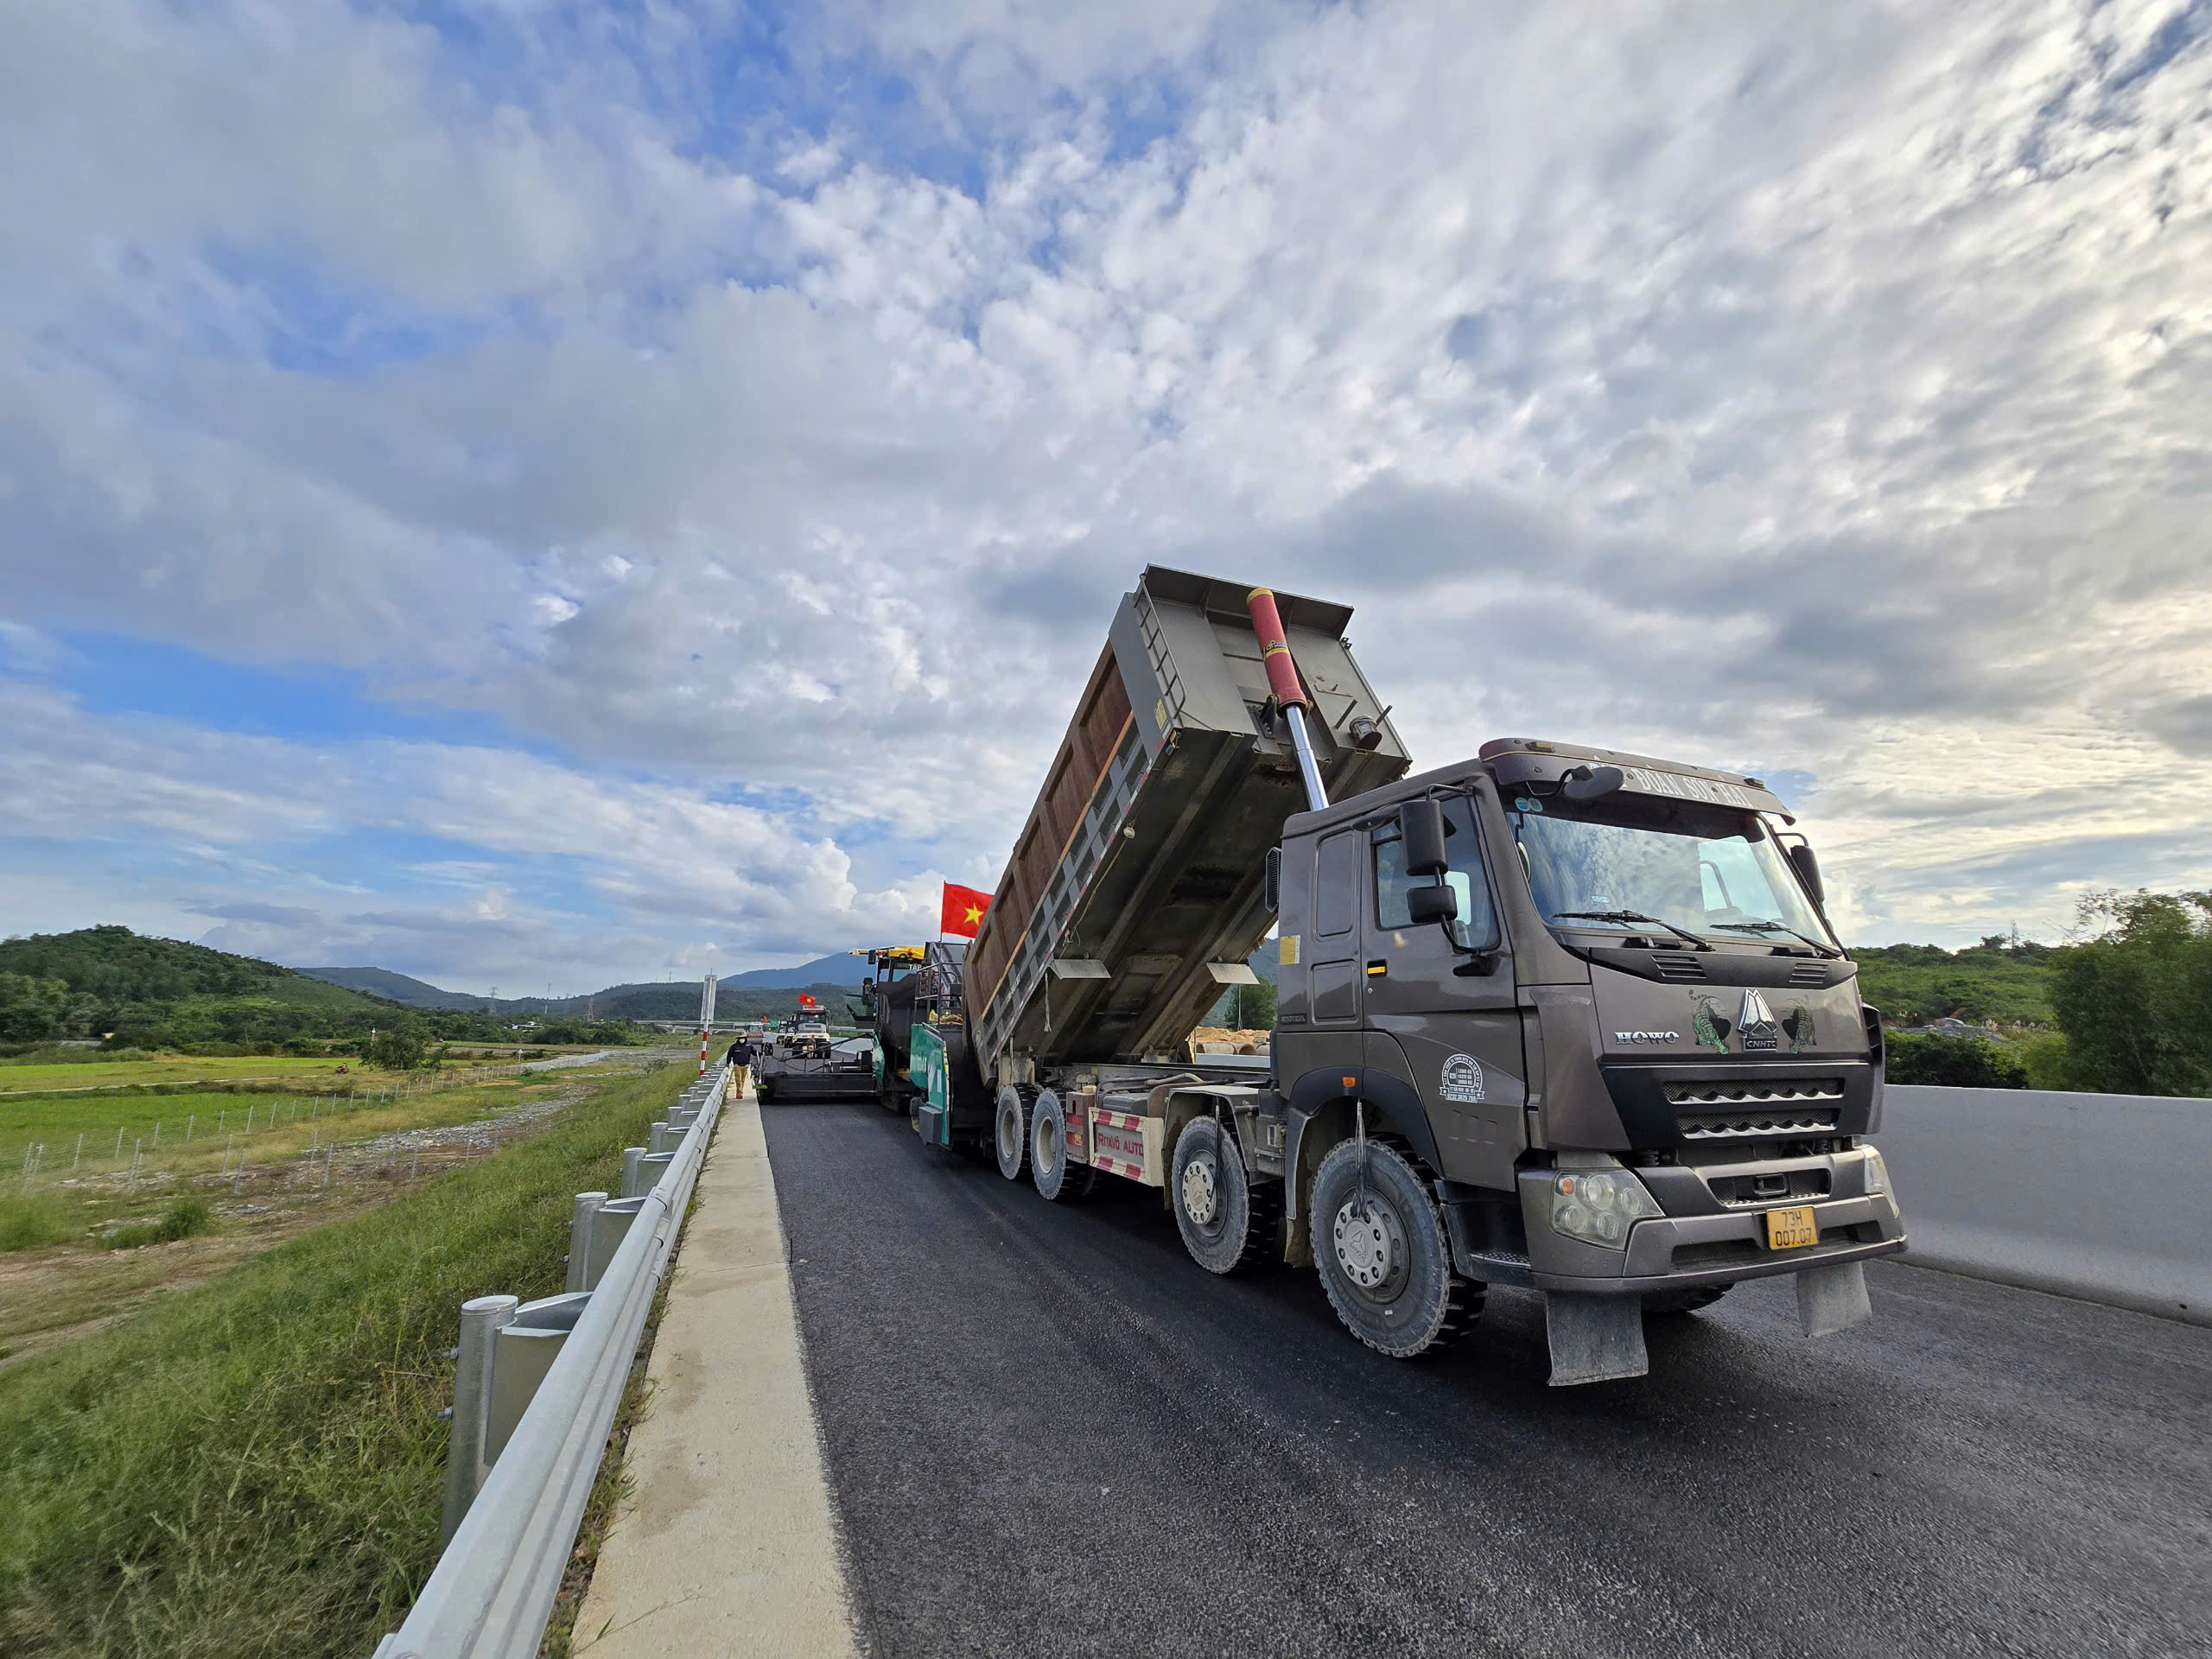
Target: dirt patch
{"x":1218,"y":1040}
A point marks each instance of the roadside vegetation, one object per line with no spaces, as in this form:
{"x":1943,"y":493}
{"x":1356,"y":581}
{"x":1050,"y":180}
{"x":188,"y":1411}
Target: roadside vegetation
{"x":2124,"y":1008}
{"x":255,"y":1464}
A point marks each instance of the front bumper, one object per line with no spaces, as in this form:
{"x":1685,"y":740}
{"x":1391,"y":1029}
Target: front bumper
{"x":1686,"y":1252}
{"x":1700,"y":1241}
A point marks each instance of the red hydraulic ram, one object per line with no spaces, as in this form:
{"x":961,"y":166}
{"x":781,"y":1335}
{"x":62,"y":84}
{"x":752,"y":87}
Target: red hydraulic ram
{"x":1282,"y":680}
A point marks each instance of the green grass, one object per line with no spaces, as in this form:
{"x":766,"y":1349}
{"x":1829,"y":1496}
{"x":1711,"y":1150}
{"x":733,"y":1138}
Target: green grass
{"x":33,"y":1221}
{"x":255,"y":1467}
{"x":173,"y":1068}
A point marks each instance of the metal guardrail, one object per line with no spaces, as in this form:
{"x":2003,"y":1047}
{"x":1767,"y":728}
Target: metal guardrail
{"x":536,"y":1388}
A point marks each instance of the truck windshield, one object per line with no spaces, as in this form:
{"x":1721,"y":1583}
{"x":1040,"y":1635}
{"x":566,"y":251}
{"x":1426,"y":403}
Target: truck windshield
{"x":1706,"y":870}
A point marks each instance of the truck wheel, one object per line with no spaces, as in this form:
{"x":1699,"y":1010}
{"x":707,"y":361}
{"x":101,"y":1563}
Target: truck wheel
{"x":1010,"y":1125}
{"x":1228,"y":1222}
{"x":1057,"y":1179}
{"x":1683,"y":1301}
{"x":1386,"y":1264}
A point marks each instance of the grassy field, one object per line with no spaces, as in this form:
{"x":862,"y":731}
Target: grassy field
{"x":186,"y":1068}
{"x":254,"y":1464}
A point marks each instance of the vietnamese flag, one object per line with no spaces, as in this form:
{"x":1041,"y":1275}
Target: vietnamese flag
{"x":963,"y":910}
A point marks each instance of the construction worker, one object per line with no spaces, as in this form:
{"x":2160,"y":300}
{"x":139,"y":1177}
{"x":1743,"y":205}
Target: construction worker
{"x":740,"y":1058}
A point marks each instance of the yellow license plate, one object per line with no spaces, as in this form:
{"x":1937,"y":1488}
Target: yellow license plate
{"x":1788,"y":1229}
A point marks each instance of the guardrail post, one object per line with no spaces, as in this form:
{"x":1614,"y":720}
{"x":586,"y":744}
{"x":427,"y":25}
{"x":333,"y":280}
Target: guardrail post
{"x":466,"y":1466}
{"x":524,"y":1349}
{"x":610,"y":1225}
{"x":631,"y":1155}
{"x":580,"y":1240}
{"x":657,"y":1140}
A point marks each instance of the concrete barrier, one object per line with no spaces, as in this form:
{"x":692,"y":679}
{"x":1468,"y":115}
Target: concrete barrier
{"x":2104,"y":1196}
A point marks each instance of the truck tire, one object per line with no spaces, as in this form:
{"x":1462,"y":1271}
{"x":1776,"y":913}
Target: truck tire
{"x":1387,"y":1268}
{"x":1059,"y":1180}
{"x":1227,"y":1220}
{"x":1683,"y":1301}
{"x":1010,"y":1127}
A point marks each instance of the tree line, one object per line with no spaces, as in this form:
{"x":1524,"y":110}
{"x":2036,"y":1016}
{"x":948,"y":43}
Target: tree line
{"x":2131,"y":1000}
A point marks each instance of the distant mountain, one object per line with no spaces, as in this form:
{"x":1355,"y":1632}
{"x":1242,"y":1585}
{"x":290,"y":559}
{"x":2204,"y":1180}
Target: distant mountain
{"x":843,"y":969}
{"x":738,"y":995}
{"x":395,"y":988}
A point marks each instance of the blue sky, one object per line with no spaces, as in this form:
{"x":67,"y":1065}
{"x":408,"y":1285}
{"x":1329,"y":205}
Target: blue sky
{"x":573,"y":494}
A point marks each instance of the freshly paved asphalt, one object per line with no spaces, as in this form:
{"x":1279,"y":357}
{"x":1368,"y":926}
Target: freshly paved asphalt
{"x":1048,"y":1432}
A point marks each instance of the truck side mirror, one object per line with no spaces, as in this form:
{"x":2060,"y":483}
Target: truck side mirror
{"x":1432,"y":904}
{"x":1421,"y":823}
{"x":1275,"y":882}
{"x":1809,"y":871}
{"x":1585,"y":783}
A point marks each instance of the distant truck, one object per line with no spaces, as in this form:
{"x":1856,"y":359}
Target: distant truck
{"x":1551,"y":1016}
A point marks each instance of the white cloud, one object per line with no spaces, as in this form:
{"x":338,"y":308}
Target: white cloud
{"x":1802,"y":387}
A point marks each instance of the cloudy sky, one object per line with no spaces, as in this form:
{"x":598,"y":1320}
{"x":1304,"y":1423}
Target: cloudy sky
{"x":528,"y":493}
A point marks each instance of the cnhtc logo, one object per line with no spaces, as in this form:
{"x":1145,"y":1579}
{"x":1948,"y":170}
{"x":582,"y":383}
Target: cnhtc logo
{"x":1756,"y":1022}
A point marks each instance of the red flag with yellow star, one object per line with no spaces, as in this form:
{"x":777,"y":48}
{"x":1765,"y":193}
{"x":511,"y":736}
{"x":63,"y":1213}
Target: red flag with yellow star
{"x":963,"y":910}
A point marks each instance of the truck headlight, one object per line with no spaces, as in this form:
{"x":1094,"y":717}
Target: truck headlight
{"x":1877,"y":1174}
{"x":1599,"y":1205}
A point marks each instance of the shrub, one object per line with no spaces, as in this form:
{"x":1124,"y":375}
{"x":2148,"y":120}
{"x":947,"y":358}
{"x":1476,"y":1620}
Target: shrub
{"x":33,"y":1221}
{"x":2044,"y":1056}
{"x":182,"y":1219}
{"x":1957,"y":1061}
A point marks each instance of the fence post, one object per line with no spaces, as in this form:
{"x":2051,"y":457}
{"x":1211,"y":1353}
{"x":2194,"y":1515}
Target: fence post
{"x":630,"y":1157}
{"x":481,"y":1320}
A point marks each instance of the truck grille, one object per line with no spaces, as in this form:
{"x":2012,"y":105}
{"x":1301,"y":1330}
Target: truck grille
{"x":1763,"y":1091}
{"x":1755,"y":1126}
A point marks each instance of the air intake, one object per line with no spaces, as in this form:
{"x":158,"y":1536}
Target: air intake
{"x":1810,"y":975}
{"x":1675,"y":964}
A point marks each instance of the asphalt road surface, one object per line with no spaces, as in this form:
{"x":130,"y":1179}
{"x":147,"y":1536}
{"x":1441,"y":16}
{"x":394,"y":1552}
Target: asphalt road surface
{"x":1049,"y":1432}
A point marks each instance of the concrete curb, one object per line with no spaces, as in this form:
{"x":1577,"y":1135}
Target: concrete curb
{"x":2096,"y":1197}
{"x":728,"y":1545}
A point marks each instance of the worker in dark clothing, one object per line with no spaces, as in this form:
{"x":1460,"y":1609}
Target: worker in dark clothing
{"x":740,"y":1059}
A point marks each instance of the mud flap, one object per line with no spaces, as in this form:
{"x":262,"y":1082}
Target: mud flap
{"x":1833,"y":1298}
{"x":1594,"y":1338}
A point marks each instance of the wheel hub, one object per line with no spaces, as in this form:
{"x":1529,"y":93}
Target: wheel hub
{"x":1047,"y":1149}
{"x":1200,"y":1194}
{"x":1371,"y":1243}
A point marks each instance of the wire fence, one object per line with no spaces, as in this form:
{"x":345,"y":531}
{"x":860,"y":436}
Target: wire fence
{"x":239,"y":1136}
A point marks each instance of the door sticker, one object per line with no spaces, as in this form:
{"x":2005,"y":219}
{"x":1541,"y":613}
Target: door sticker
{"x":1462,"y":1080}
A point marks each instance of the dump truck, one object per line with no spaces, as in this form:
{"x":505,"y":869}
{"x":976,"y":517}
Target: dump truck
{"x":1552,"y":1016}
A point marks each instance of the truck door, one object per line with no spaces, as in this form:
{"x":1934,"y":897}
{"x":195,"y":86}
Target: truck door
{"x":1456,"y":1038}
{"x":1318,"y":1011}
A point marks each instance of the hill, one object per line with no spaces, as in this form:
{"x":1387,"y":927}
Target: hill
{"x":153,"y":993}
{"x":2000,"y":979}
{"x":395,"y":988}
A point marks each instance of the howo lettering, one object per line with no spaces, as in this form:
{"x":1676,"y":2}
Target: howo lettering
{"x":1549,"y":1016}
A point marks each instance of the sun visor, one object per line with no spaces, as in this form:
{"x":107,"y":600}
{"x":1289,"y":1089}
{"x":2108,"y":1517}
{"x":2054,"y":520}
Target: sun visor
{"x":1520,"y":761}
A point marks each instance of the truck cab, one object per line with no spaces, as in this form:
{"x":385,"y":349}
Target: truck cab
{"x":1590,"y":1002}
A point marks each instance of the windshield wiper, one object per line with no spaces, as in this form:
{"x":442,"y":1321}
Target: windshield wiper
{"x":1630,"y":916}
{"x":1777,"y":927}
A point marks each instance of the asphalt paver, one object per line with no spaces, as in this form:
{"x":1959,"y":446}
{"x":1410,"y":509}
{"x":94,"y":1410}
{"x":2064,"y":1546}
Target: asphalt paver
{"x":1048,"y":1432}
